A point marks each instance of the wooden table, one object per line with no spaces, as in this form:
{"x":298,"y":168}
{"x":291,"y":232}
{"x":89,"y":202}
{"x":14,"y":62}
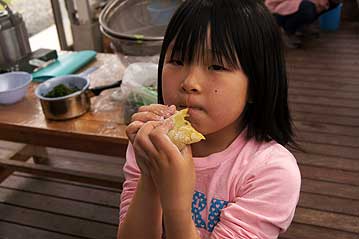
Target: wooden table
{"x":100,"y":131}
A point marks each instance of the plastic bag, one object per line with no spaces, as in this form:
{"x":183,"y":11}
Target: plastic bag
{"x":139,"y":87}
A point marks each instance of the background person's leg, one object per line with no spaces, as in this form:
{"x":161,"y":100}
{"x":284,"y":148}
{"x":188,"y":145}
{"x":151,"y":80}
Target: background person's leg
{"x":281,"y":21}
{"x":305,"y":15}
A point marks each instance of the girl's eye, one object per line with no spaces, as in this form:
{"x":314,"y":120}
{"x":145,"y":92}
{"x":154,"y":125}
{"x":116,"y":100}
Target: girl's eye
{"x":217,"y":68}
{"x":176,"y":62}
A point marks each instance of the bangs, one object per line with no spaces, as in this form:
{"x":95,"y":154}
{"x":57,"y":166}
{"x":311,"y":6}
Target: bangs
{"x":197,"y":33}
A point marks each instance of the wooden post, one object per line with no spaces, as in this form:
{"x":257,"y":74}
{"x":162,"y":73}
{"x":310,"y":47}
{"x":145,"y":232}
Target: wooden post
{"x":22,"y":155}
{"x":39,"y":154}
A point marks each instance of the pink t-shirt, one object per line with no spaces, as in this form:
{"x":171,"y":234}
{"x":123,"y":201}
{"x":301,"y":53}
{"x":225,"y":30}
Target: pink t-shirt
{"x":287,"y":7}
{"x":283,"y":7}
{"x":249,"y":190}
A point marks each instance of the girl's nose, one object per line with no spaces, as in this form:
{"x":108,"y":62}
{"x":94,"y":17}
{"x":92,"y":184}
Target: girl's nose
{"x":191,"y":83}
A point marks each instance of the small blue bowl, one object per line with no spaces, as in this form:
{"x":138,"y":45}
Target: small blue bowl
{"x":13,"y":86}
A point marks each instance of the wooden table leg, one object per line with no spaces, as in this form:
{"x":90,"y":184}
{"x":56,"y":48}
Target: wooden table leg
{"x":21,"y":155}
{"x":39,"y":154}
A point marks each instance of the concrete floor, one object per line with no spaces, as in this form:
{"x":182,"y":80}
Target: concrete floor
{"x":37,"y":14}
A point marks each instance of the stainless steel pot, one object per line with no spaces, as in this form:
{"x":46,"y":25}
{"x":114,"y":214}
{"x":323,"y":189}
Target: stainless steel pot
{"x":13,"y":36}
{"x":69,"y":106}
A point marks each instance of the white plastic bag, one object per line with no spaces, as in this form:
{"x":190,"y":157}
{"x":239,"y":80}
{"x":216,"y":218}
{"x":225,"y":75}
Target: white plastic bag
{"x":139,"y":87}
{"x":138,"y":78}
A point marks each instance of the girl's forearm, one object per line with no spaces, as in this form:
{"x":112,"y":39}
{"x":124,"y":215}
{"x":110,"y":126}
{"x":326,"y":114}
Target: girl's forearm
{"x":179,"y":225}
{"x":144,"y":215}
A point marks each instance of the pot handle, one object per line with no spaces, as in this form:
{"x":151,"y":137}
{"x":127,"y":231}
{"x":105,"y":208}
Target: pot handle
{"x":88,"y":71}
{"x":97,"y":90}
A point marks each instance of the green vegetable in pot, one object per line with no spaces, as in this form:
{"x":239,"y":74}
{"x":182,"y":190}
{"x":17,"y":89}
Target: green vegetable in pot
{"x":61,"y":90}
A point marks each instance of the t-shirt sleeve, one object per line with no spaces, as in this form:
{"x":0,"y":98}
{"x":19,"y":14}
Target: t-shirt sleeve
{"x":132,"y":175}
{"x":266,"y":201}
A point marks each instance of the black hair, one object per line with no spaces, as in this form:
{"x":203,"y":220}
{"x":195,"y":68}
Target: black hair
{"x":245,"y":34}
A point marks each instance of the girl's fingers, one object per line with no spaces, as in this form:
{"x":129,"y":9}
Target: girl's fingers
{"x":146,"y":116}
{"x":160,"y":110}
{"x":162,"y":142}
{"x":187,"y":152}
{"x":143,"y":143}
{"x":155,"y":108}
{"x":154,"y":112}
{"x":132,"y":129}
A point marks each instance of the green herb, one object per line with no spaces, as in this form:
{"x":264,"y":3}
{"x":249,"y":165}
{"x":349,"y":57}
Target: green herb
{"x":61,"y":90}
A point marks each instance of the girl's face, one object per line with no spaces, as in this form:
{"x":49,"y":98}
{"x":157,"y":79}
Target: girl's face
{"x":215,"y":93}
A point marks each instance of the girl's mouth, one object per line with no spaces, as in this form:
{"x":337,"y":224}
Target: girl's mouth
{"x":181,"y":107}
{"x":193,"y":111}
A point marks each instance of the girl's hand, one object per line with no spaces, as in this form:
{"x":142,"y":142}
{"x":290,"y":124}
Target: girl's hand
{"x":143,"y":160}
{"x":172,"y":171}
{"x":153,"y":112}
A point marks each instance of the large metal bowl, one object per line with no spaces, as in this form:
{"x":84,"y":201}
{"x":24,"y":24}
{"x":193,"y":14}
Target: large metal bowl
{"x":13,"y":86}
{"x":137,"y":27}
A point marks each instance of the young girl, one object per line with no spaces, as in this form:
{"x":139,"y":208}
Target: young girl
{"x":223,"y":60}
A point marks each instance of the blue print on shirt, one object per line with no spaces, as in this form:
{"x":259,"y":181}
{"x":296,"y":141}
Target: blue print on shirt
{"x":214,"y":212}
{"x":199,"y":203}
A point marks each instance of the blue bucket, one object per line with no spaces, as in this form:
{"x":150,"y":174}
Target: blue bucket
{"x":330,"y":20}
{"x":161,"y":13}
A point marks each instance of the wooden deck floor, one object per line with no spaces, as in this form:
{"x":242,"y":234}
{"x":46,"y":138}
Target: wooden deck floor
{"x":324,"y":98}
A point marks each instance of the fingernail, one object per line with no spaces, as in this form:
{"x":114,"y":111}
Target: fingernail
{"x":170,"y":111}
{"x":172,"y":108}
